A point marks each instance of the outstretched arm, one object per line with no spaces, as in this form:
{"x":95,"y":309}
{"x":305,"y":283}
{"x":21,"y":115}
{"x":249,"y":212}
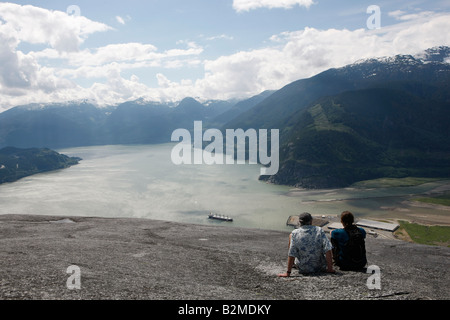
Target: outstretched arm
{"x":290,"y":263}
{"x":289,"y":268}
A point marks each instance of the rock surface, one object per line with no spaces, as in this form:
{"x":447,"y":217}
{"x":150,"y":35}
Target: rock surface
{"x":156,"y":260}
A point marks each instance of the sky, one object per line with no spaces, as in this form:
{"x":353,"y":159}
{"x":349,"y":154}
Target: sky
{"x":109,"y":52}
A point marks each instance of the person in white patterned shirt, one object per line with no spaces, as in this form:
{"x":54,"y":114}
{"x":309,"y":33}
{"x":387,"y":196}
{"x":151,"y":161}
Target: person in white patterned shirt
{"x":309,"y":249}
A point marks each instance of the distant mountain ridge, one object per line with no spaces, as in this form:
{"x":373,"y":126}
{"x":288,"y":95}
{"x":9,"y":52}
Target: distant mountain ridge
{"x":377,"y":117}
{"x":274,"y":111}
{"x":83,"y":123}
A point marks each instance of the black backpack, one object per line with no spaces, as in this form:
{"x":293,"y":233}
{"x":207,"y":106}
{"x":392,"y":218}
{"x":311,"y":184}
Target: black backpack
{"x":354,"y":250}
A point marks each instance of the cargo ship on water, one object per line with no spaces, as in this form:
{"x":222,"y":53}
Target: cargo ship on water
{"x":220,"y":217}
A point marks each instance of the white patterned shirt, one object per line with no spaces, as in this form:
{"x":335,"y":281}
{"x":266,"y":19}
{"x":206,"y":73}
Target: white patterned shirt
{"x":309,"y":245}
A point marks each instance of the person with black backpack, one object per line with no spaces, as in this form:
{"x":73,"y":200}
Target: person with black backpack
{"x":349,"y":248}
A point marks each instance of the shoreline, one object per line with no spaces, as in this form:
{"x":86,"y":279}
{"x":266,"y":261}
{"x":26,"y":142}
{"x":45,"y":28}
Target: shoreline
{"x":403,"y":209}
{"x":371,"y":232}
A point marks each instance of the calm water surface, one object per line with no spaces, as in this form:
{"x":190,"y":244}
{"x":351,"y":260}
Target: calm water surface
{"x":141,"y":182}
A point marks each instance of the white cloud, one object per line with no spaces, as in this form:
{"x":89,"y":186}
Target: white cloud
{"x":97,"y":63}
{"x":120,"y":20}
{"x":63,"y":33}
{"x":131,"y":52}
{"x":40,"y":26}
{"x":415,"y":34}
{"x":403,"y":16}
{"x":247,"y":5}
{"x":114,"y":53}
{"x":22,"y":78}
{"x":220,"y":37}
{"x":396,"y":14}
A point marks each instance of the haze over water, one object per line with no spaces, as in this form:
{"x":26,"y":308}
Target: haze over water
{"x":142,"y":182}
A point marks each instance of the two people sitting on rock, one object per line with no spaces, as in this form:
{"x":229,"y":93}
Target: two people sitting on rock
{"x":310,"y":251}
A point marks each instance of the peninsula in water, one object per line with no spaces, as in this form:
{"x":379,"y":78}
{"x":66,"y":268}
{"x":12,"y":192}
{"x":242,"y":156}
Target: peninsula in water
{"x":18,"y":163}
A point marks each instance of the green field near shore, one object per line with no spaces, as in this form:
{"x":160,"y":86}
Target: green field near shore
{"x":443,"y":200}
{"x":394,"y":182}
{"x":429,"y":235}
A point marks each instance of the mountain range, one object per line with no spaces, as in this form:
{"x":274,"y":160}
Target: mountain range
{"x":380,"y":117}
{"x":84,"y":124}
